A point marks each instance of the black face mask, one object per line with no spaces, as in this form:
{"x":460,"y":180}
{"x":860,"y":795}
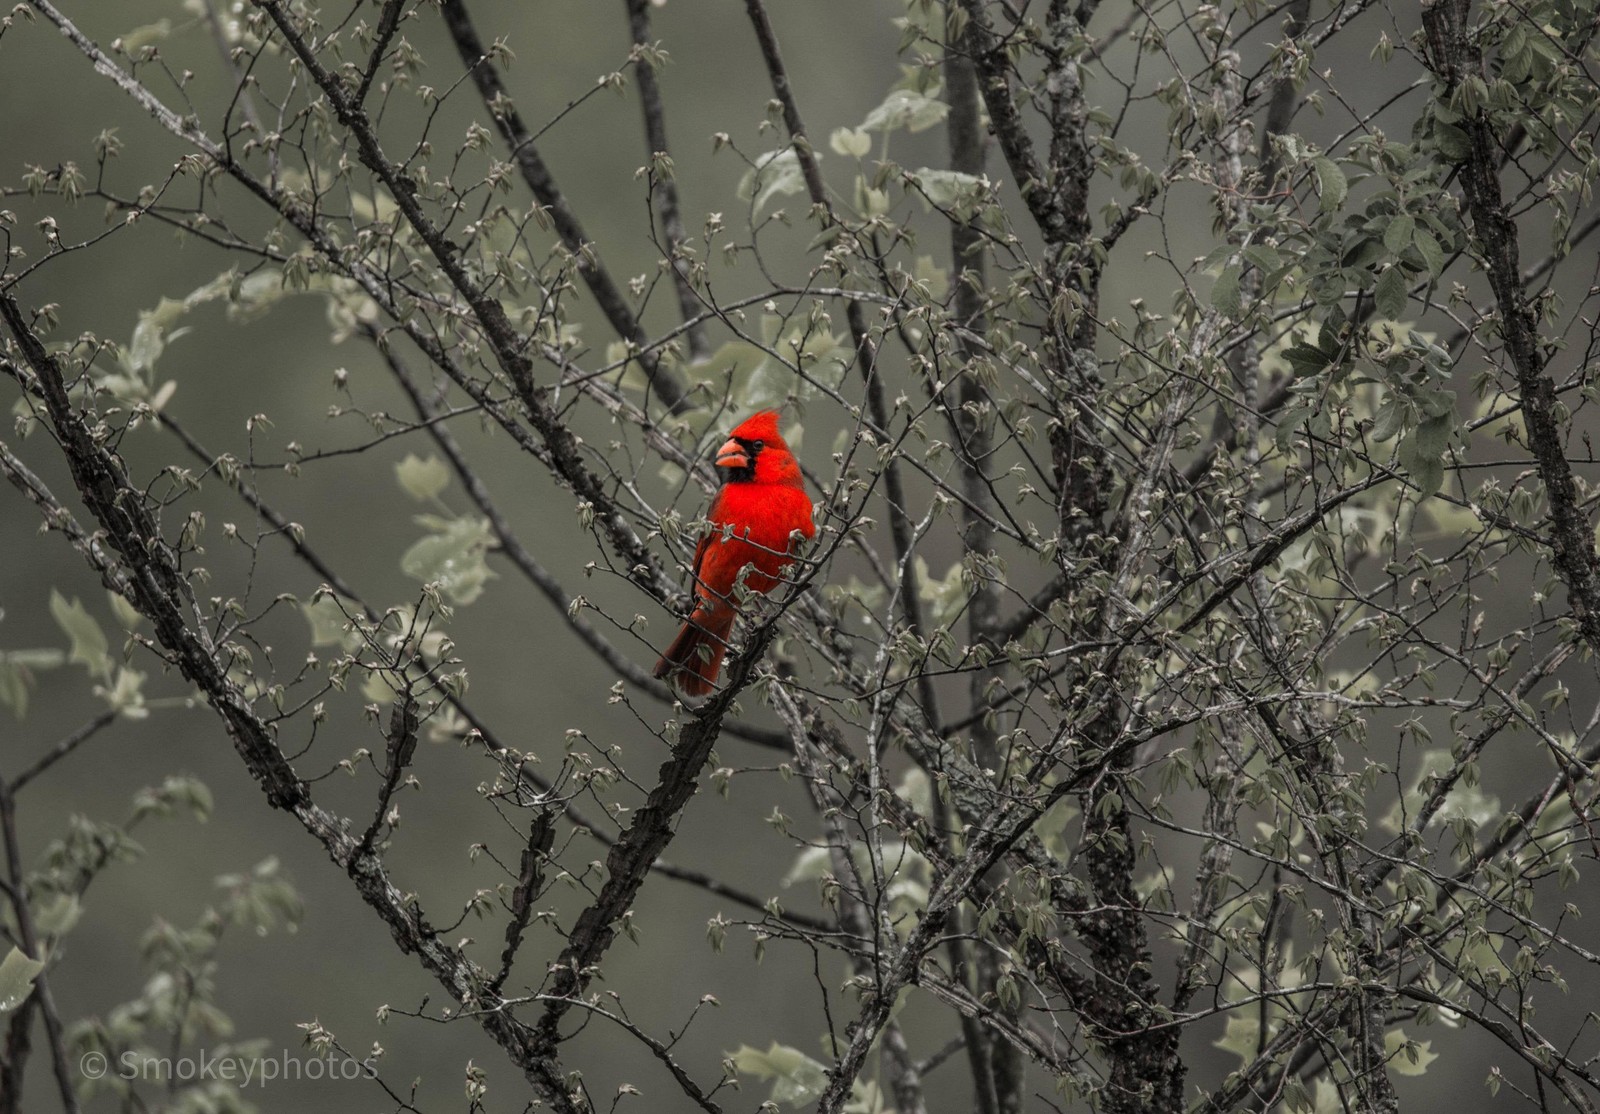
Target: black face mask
{"x":747,"y":474}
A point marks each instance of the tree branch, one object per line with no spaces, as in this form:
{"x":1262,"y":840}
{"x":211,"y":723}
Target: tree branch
{"x":537,"y":175}
{"x":1453,"y":55}
{"x":144,"y":572}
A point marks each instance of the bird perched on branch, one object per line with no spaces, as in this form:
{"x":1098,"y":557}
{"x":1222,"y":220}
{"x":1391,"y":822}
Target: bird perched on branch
{"x":760,"y":505}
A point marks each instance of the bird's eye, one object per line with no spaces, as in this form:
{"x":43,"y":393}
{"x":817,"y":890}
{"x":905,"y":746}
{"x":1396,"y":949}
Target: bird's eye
{"x":757,"y":446}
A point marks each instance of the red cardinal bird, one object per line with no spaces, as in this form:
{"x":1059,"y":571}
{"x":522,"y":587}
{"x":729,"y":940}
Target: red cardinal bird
{"x":762,"y":501}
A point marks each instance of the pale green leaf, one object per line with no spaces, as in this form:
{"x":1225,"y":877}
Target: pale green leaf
{"x":17,"y":973}
{"x":736,"y":355}
{"x":952,"y":191}
{"x":13,"y":687}
{"x":853,"y":142}
{"x":932,"y":276}
{"x":1240,"y":1037}
{"x":57,"y":915}
{"x":16,"y":675}
{"x":870,"y":202}
{"x":38,"y":659}
{"x":422,"y":479}
{"x":809,"y":866}
{"x":329,"y":625}
{"x":904,"y":108}
{"x":255,"y":294}
{"x":767,"y":386}
{"x":1406,"y":1058}
{"x":945,"y":595}
{"x":633,"y":377}
{"x":149,"y":339}
{"x":453,"y":557}
{"x":775,"y":173}
{"x":127,"y":615}
{"x":89,"y":646}
{"x":378,"y":689}
{"x":147,"y":35}
{"x":126,"y":696}
{"x":797,"y":1078}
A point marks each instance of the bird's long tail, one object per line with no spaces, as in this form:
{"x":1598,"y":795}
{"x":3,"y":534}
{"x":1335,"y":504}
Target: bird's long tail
{"x":695,"y":656}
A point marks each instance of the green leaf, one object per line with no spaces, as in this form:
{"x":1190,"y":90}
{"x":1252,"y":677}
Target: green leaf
{"x":14,"y":686}
{"x":17,"y":973}
{"x":1397,"y":237}
{"x":57,"y":916}
{"x":1305,"y":359}
{"x":38,"y":659}
{"x":852,"y":142}
{"x":1433,"y":435}
{"x":1331,"y":184}
{"x":89,"y":645}
{"x":1240,"y":1037}
{"x":1364,"y":253}
{"x":633,"y":377}
{"x":1452,"y":142}
{"x":1225,"y":294}
{"x":1268,"y":259}
{"x":1390,"y":294}
{"x":329,"y":626}
{"x":1390,"y":419}
{"x":933,"y":276}
{"x":960,"y":194}
{"x":1427,"y":474}
{"x":1289,"y":423}
{"x":127,"y":615}
{"x":149,"y":339}
{"x":147,"y":35}
{"x":1432,"y":254}
{"x":903,"y":108}
{"x":775,"y":173}
{"x":762,"y":378}
{"x":453,"y":557}
{"x":797,"y":1078}
{"x":127,"y":695}
{"x":811,"y":865}
{"x":422,"y":479}
{"x":1420,"y":453}
{"x":1408,"y":1057}
{"x":16,"y":675}
{"x":945,"y":596}
{"x":736,"y":355}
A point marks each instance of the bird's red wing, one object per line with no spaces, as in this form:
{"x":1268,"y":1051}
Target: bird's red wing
{"x":700,"y":553}
{"x":697,"y":570}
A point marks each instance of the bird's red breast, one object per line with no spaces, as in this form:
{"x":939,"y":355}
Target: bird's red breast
{"x":762,"y":503}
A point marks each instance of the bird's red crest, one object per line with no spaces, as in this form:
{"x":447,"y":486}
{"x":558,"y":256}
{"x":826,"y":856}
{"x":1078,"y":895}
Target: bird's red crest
{"x":760,"y":426}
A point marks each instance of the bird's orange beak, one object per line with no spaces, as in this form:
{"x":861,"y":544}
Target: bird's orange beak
{"x":732,"y":455}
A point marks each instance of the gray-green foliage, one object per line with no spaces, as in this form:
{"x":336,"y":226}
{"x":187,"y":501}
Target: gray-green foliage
{"x":155,"y":1041}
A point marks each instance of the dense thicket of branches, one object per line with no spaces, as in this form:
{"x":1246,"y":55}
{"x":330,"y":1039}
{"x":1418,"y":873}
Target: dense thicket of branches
{"x":1208,"y":670}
